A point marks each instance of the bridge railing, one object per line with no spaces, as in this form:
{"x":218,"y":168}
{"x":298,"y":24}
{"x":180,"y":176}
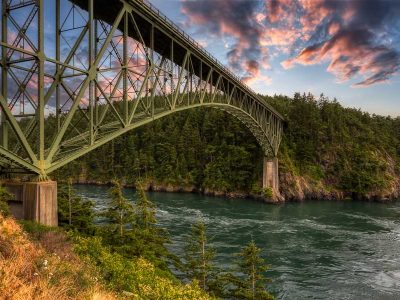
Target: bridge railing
{"x":204,"y":52}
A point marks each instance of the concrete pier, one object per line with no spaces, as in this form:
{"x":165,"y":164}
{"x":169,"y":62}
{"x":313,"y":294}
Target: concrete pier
{"x":36,"y":201}
{"x":270,"y":175}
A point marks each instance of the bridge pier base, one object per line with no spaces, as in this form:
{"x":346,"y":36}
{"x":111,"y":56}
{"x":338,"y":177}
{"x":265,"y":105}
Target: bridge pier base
{"x":271,"y":176}
{"x":36,"y":201}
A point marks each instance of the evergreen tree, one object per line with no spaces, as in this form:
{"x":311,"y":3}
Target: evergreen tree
{"x":74,"y":212}
{"x":322,"y":141}
{"x":149,"y":238}
{"x":119,"y":233}
{"x":251,"y":283}
{"x":198,"y":258}
{"x":120,"y":212}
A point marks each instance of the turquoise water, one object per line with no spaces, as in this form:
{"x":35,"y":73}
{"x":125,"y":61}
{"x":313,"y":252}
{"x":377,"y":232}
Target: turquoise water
{"x":317,"y":250}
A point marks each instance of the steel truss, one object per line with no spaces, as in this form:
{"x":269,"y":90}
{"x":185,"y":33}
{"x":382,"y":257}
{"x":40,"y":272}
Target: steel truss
{"x":108,"y":67}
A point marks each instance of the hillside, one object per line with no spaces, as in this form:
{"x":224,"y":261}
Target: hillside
{"x":43,"y":269}
{"x":328,"y":152}
{"x":45,"y":263}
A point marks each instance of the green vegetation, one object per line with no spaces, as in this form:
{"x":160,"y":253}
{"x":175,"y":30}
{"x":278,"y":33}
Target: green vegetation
{"x":74,"y":212}
{"x":246,"y":282}
{"x":250,"y":284}
{"x":267,"y":193}
{"x":127,"y":250}
{"x":132,"y":230}
{"x":38,"y":262}
{"x":203,"y":149}
{"x":135,"y":278}
{"x":198,"y":259}
{"x":342,"y":148}
{"x":150,"y":238}
{"x":325,"y":147}
{"x":4,"y":197}
{"x":332,"y":147}
{"x":125,"y":258}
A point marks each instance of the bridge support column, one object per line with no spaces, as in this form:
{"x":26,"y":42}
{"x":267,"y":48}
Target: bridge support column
{"x":271,"y":176}
{"x":38,"y":201}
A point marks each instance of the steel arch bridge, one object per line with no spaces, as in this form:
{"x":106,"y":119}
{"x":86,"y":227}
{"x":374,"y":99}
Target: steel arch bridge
{"x":76,"y":74}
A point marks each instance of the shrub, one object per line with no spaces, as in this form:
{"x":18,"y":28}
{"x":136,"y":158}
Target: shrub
{"x":268,"y":192}
{"x":4,"y":197}
{"x":30,"y":271}
{"x":135,"y":277}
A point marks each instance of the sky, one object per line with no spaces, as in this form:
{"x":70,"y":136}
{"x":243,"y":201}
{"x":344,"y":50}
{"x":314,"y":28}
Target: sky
{"x":349,"y":50}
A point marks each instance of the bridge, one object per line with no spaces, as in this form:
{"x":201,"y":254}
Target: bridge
{"x":76,"y":74}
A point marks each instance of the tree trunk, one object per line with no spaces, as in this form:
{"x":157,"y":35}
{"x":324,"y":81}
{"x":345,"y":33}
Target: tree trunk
{"x":69,"y":203}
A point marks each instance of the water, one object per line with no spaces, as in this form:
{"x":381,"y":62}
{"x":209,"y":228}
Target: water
{"x":317,"y":250}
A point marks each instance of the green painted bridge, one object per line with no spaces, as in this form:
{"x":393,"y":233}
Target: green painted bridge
{"x":76,"y":74}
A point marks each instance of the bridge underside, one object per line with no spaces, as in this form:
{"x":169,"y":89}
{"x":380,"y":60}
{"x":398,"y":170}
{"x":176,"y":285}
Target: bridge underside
{"x":100,"y":69}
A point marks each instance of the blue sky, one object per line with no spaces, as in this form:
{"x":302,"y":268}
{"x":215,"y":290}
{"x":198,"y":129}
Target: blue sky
{"x":345,"y":49}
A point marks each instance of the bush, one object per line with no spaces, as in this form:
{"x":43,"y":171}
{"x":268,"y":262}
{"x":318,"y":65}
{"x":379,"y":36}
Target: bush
{"x":268,"y":192}
{"x":32,"y":270}
{"x":135,"y":277}
{"x":36,"y":230}
{"x":74,"y":212}
{"x":4,"y":197}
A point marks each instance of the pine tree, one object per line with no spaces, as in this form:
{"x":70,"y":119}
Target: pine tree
{"x":199,"y":255}
{"x":73,"y":211}
{"x":150,"y":239}
{"x":251,"y":283}
{"x":120,"y":212}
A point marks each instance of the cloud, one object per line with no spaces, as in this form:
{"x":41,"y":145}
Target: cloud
{"x":351,"y":52}
{"x":357,"y":39}
{"x":238,"y":19}
{"x":351,"y":41}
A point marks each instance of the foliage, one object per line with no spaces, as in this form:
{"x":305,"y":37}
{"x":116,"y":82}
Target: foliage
{"x":55,"y":266}
{"x":199,"y":255}
{"x":202,"y":148}
{"x":211,"y":150}
{"x":268,"y":192}
{"x":119,"y":213}
{"x":36,"y":230}
{"x":250,"y":284}
{"x":4,"y":197}
{"x":45,"y":268}
{"x":132,"y":230}
{"x":136,"y":277}
{"x":344,"y":148}
{"x":150,"y":239}
{"x":74,"y":212}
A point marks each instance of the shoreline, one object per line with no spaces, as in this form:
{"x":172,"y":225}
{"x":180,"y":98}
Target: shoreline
{"x":159,"y":188}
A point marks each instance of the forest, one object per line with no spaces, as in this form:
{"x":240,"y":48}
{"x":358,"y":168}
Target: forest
{"x":327,"y":151}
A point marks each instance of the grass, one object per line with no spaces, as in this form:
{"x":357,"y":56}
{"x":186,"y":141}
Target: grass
{"x":44,"y":267}
{"x":40,"y":262}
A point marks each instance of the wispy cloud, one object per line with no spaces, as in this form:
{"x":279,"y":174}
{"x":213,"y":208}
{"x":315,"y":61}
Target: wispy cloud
{"x":357,"y":39}
{"x":351,"y":39}
{"x":237,"y":19}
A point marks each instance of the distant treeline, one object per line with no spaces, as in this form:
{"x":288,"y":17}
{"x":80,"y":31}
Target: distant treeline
{"x":343,"y":148}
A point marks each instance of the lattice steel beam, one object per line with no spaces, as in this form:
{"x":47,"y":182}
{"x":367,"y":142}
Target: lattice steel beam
{"x":108,"y":67}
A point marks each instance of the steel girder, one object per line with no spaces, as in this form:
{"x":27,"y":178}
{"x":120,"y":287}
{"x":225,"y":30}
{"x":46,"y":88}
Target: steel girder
{"x":107,"y":67}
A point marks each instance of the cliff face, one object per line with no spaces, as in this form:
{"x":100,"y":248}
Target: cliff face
{"x":302,"y":187}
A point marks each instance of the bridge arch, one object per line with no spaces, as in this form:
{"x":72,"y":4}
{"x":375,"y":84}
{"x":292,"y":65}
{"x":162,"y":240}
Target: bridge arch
{"x":109,"y":66}
{"x":247,"y":119}
{"x":127,"y":65}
